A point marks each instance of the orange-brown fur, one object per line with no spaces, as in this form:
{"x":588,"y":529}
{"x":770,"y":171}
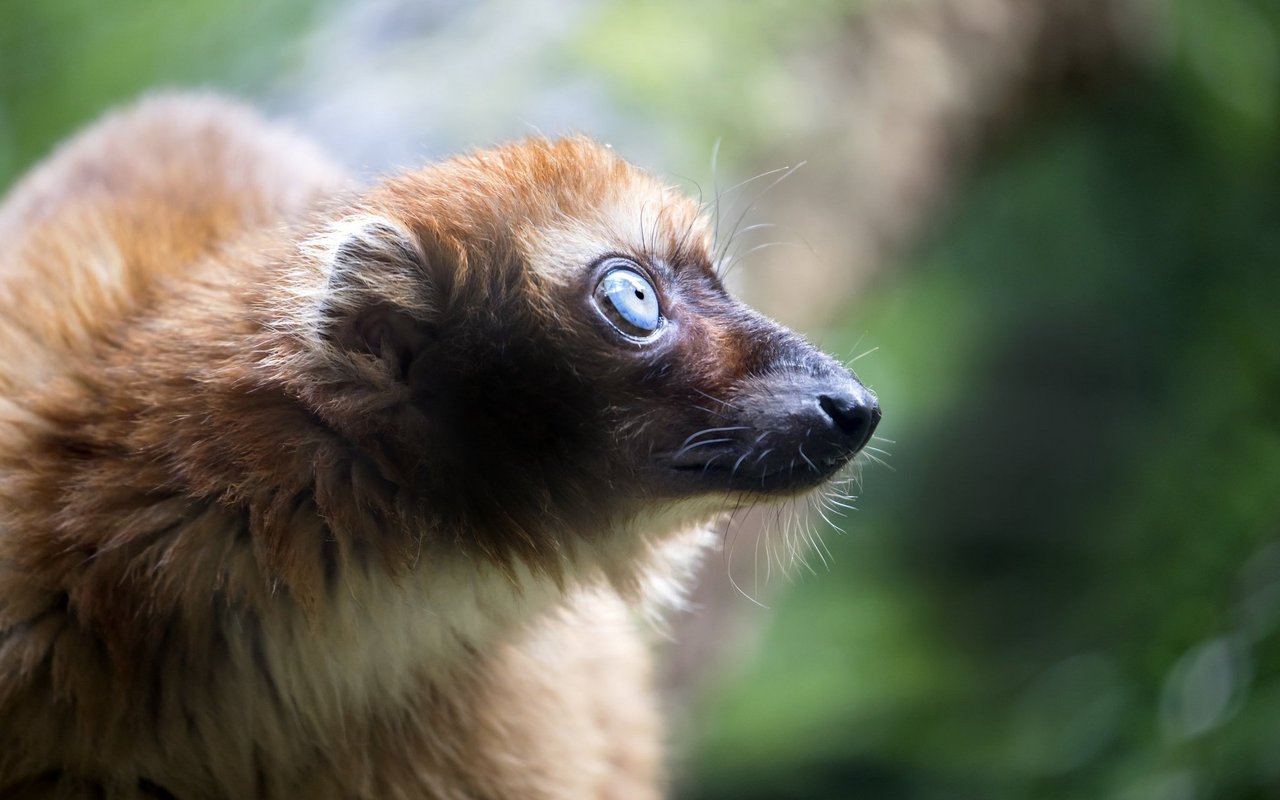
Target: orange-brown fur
{"x":310,"y":491}
{"x":155,"y":558}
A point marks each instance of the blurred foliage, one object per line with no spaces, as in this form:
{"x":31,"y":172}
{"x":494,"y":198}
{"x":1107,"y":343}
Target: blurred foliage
{"x":63,"y":62}
{"x":1229,"y":63}
{"x":1069,"y":586}
{"x":725,"y":71}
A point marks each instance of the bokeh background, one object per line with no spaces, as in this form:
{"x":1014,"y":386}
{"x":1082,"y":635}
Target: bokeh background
{"x":1050,"y":232}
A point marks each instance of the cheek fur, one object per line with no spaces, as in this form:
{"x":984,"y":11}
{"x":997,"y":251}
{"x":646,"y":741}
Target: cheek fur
{"x":520,"y":443}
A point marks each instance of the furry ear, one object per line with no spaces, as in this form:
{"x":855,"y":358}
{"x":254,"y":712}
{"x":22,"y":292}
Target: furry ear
{"x":378,"y":300}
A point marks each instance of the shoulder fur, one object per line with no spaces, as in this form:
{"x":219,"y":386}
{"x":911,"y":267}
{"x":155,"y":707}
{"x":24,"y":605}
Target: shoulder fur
{"x":90,"y":234}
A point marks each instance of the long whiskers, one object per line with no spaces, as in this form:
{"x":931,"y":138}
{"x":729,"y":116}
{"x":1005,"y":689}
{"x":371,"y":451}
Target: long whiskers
{"x":721,"y":246}
{"x":793,"y":532}
{"x":687,"y":448}
{"x":861,"y":355}
{"x":705,"y":431}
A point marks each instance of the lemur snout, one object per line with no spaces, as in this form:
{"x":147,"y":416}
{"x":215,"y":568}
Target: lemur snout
{"x":782,"y":434}
{"x":822,"y":421}
{"x":853,"y":411}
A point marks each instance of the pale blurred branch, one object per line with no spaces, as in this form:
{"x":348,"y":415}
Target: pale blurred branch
{"x":916,"y":91}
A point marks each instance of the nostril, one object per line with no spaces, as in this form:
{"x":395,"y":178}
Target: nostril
{"x":856,"y":417}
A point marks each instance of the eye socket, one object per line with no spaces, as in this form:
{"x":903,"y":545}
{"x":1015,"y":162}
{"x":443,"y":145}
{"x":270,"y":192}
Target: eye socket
{"x":629,"y":302}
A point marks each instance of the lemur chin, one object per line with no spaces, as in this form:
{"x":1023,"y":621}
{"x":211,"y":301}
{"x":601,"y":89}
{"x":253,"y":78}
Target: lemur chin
{"x":309,"y":491}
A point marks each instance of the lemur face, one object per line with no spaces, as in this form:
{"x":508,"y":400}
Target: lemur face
{"x":569,"y":353}
{"x":719,"y":398}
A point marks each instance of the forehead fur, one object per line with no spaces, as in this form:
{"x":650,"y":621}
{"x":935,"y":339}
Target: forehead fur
{"x":560,"y":204}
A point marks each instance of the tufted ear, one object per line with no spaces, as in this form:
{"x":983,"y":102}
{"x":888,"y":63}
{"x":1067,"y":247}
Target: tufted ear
{"x":378,"y":299}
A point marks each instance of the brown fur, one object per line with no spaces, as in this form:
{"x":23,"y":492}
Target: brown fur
{"x":313,"y":493}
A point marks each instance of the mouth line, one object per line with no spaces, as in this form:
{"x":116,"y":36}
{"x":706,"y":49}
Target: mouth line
{"x":799,"y":475}
{"x":790,"y":468}
{"x":710,"y":457}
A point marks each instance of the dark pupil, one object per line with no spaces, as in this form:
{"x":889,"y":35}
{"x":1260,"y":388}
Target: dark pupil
{"x":639,"y":294}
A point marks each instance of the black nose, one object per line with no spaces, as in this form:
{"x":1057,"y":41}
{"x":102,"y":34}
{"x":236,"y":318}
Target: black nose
{"x":854,"y":412}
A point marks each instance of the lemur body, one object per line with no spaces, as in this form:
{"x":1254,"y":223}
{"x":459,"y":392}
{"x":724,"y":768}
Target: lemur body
{"x":311,"y":492}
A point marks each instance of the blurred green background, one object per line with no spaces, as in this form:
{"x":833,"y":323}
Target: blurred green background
{"x":1065,"y":255}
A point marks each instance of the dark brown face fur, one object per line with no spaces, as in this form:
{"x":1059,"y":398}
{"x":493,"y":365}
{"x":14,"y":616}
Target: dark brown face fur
{"x":531,"y":412}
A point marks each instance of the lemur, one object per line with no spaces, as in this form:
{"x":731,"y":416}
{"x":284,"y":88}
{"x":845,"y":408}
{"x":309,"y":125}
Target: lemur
{"x":314,"y":491}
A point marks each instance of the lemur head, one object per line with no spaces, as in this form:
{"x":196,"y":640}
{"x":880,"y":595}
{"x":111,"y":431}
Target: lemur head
{"x":541,"y":349}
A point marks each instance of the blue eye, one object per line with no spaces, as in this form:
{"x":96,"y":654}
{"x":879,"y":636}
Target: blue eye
{"x":629,"y":302}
